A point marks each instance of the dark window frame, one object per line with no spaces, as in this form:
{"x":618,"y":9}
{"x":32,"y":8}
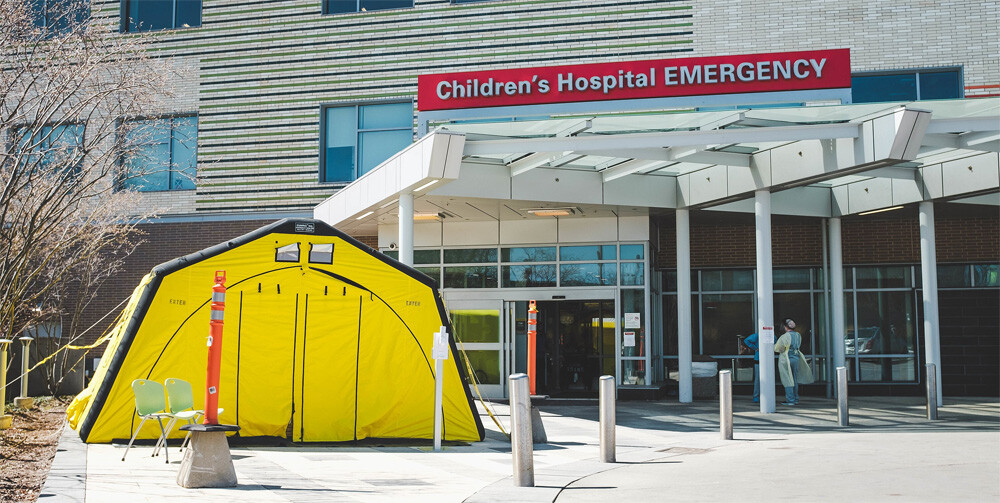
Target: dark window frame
{"x":127,"y":26}
{"x":357,"y":105}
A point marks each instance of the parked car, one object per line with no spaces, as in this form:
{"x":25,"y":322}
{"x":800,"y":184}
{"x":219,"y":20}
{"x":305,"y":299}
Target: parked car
{"x":869,"y":340}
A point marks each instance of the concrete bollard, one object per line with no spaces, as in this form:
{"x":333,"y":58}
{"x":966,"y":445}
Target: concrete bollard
{"x":932,"y":400}
{"x":24,"y":401}
{"x":521,"y":445}
{"x":842,"y":413}
{"x":607,"y":417}
{"x":726,"y":404}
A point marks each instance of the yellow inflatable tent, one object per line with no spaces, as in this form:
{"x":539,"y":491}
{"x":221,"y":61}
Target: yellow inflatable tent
{"x":324,"y":337}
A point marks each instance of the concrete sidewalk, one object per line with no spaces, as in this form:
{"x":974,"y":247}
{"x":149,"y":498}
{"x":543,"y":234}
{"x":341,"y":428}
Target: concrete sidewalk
{"x":665,"y":450}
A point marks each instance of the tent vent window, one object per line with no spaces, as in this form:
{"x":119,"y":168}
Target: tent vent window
{"x":287,"y":253}
{"x":321,"y":253}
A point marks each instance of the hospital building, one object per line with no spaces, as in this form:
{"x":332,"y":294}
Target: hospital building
{"x":661,"y":177}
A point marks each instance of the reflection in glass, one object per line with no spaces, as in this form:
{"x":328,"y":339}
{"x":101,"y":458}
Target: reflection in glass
{"x":470,"y":277}
{"x":794,"y":306}
{"x":588,"y":274}
{"x":883,"y":277}
{"x":633,"y":372}
{"x":631,"y":252}
{"x":724,"y":316}
{"x":433,"y":272}
{"x":986,"y":275}
{"x":790,"y":279}
{"x":593,"y":252}
{"x":529,"y":275}
{"x":485,"y":365}
{"x":476,"y":325}
{"x":632,"y":274}
{"x":529,"y":254}
{"x":470,"y":256}
{"x":953,"y":276}
{"x":727,"y":280}
{"x":426,"y":256}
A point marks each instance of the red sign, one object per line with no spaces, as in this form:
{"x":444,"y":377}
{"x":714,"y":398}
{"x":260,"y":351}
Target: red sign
{"x":663,"y":78}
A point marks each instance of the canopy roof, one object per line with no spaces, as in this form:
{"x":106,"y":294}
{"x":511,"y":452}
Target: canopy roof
{"x":825,"y":160}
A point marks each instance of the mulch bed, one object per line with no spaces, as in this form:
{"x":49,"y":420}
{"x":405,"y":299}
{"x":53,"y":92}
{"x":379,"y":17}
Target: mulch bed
{"x":27,"y":449}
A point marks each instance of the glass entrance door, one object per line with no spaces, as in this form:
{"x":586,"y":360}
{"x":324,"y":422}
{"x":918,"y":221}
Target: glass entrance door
{"x":481,"y":340}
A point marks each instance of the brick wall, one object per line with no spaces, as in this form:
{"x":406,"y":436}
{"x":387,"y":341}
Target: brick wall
{"x":970,"y":342}
{"x":964,"y":233}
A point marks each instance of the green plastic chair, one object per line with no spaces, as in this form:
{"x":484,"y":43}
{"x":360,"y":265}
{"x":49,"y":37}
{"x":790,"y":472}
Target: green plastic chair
{"x":180,"y":400}
{"x":150,"y":403}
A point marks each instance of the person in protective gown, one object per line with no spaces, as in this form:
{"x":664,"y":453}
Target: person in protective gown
{"x":792,"y":364}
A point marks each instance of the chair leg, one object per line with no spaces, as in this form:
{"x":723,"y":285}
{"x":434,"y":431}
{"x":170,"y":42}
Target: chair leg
{"x":163,"y":437}
{"x":133,"y":438}
{"x":162,"y":441}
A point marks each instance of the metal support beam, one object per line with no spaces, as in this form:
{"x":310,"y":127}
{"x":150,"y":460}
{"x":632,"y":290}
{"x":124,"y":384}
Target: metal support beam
{"x":765,"y":299}
{"x":406,"y":228}
{"x":928,"y":276}
{"x":685,"y":389}
{"x":836,"y":293}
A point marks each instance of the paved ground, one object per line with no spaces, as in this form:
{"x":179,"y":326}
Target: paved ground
{"x":666,"y":451}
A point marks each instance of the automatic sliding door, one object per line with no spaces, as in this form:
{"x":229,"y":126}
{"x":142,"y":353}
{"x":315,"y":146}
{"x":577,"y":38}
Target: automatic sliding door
{"x":479,"y":335}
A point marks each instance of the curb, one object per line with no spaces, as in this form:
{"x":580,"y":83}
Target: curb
{"x":67,"y":480}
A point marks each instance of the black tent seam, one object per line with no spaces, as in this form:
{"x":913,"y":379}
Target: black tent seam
{"x":295,"y":340}
{"x":239,"y":343}
{"x":302,"y":388}
{"x":357,"y":363}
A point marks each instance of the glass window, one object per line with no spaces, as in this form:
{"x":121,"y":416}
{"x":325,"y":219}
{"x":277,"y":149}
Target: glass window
{"x":341,"y":6}
{"x":321,"y":253}
{"x":883,"y":277}
{"x":726,"y":280}
{"x":426,"y":256}
{"x":476,"y":325}
{"x":595,"y":252}
{"x":358,"y":138}
{"x":633,"y":303}
{"x":632,"y":274}
{"x":149,"y":15}
{"x":796,"y":306}
{"x":632,"y":252}
{"x":470,"y":256}
{"x":56,"y":147}
{"x":529,"y":275}
{"x":953,"y":276}
{"x":433,"y":272}
{"x":529,"y":254}
{"x":723,"y":317}
{"x":161,"y":154}
{"x":59,"y":15}
{"x":907,"y":85}
{"x":986,"y":275}
{"x":470,"y":277}
{"x":287,"y":253}
{"x":790,"y":279}
{"x":588,"y":274}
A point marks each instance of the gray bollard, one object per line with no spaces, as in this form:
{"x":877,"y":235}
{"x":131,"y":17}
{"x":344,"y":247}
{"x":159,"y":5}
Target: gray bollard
{"x":607,"y":413}
{"x":842,"y":414}
{"x":726,"y":404}
{"x":931,"y":392}
{"x":520,"y":431}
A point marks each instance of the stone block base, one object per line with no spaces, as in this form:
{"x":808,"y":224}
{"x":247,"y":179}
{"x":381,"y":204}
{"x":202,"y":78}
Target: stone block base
{"x":24,"y":402}
{"x":207,"y":462}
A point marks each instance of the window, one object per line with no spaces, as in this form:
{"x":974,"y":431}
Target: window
{"x":150,"y":15}
{"x":342,"y":6}
{"x":161,"y":154}
{"x":287,"y":253}
{"x":59,"y":16}
{"x":58,"y":147}
{"x":358,"y":138}
{"x":910,"y":85}
{"x":321,"y":253}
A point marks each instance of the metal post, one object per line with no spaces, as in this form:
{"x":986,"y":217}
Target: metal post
{"x":406,"y":228}
{"x":607,"y":414}
{"x":765,"y":299}
{"x":438,"y":385}
{"x":6,"y":420}
{"x":928,"y":276}
{"x":932,"y":401}
{"x":726,"y":404}
{"x":26,"y":341}
{"x":842,"y":414}
{"x":683,"y":238}
{"x":520,"y":431}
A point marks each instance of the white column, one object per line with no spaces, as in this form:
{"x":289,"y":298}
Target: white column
{"x":928,"y":276}
{"x":685,"y":392}
{"x":837,"y":294}
{"x":406,"y":228}
{"x":765,"y":298}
